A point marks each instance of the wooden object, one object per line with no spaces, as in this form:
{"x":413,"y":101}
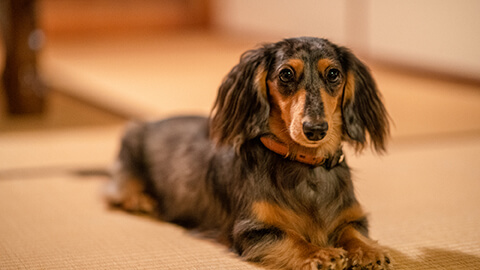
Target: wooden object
{"x":24,"y":91}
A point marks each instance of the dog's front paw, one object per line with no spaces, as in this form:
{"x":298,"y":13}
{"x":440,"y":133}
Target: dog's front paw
{"x":369,"y":257}
{"x":327,"y":259}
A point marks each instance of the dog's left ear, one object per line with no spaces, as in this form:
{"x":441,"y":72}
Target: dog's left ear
{"x":362,"y":108}
{"x":241,"y":109}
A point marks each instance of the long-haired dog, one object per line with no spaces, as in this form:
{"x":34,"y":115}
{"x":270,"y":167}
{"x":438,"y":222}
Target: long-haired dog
{"x":265,"y":173}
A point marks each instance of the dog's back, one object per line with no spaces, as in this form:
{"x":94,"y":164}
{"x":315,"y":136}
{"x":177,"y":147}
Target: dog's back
{"x":161,"y":169}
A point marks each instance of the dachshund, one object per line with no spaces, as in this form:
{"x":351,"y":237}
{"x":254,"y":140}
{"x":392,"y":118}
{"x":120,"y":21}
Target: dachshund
{"x":265,"y":173}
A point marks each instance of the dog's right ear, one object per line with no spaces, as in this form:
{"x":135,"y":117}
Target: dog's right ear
{"x":241,"y":109}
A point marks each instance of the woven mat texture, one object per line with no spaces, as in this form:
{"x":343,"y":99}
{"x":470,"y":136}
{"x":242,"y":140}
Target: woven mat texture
{"x":428,"y":219}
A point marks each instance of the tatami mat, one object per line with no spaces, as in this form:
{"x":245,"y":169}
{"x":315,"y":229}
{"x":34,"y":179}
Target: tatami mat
{"x":424,"y":211}
{"x":59,"y":222}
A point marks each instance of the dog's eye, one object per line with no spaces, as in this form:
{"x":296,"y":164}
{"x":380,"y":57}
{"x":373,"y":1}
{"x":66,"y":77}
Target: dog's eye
{"x":286,"y":75}
{"x":333,"y":75}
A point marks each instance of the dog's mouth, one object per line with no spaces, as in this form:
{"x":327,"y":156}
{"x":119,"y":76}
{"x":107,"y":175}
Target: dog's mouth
{"x":307,"y":143}
{"x":307,"y":138}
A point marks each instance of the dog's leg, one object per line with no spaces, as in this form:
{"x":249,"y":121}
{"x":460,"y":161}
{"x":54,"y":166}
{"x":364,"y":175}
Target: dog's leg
{"x":126,"y":188}
{"x":363,"y":253}
{"x":127,"y":191}
{"x":277,"y":249}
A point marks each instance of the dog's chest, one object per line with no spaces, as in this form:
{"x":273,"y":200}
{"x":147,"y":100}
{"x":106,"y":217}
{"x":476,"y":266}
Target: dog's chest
{"x":310,"y":188}
{"x":305,"y":207}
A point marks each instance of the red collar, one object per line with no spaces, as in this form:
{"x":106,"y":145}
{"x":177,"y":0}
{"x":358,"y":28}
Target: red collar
{"x":282,"y":149}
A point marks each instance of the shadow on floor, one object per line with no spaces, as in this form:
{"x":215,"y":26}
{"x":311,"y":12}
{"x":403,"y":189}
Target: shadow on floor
{"x":435,"y":258}
{"x":62,"y":111}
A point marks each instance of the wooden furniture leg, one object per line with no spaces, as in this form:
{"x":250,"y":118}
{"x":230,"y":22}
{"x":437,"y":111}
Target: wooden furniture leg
{"x":21,"y":83}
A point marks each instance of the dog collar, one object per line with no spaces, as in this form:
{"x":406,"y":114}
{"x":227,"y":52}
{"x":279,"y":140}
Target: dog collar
{"x":283,"y":150}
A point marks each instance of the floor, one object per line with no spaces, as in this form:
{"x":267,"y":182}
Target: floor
{"x":422,"y":195}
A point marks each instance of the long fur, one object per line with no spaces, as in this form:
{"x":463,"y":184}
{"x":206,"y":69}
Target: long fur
{"x":364,"y":113}
{"x":239,"y":93}
{"x":214,"y":176}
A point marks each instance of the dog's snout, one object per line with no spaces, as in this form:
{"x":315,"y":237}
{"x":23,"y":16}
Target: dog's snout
{"x":315,"y":131}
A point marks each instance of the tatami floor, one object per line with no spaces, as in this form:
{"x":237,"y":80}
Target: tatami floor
{"x":422,"y":196}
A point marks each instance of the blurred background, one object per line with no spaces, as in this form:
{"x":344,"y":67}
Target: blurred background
{"x":76,"y":71}
{"x":75,"y":63}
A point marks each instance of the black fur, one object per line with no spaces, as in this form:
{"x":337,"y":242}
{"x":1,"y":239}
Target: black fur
{"x":238,"y":94}
{"x":207,"y":173}
{"x":364,"y":113}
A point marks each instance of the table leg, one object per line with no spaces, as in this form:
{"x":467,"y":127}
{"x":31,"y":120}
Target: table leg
{"x":24,"y":90}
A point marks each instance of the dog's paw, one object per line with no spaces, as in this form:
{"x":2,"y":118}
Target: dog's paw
{"x":370,"y":258}
{"x":327,"y":259}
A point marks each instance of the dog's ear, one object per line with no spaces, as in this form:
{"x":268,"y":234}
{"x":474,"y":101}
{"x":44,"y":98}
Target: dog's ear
{"x":241,"y":109}
{"x":362,"y":108}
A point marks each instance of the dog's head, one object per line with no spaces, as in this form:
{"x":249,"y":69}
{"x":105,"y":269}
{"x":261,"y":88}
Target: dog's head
{"x":305,"y":91}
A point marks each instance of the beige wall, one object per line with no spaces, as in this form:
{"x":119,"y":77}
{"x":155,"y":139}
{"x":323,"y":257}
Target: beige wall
{"x":282,"y":18}
{"x":435,"y":34}
{"x":439,"y":35}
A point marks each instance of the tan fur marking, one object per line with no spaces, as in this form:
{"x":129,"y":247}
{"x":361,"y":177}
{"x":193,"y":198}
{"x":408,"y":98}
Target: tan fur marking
{"x":279,"y":217}
{"x":261,"y":80}
{"x":355,"y":212}
{"x":297,"y":65}
{"x":129,"y":195}
{"x":297,"y":114}
{"x":286,"y":120}
{"x":323,"y":64}
{"x":284,"y":112}
{"x":287,"y":114}
{"x":333,"y":116}
{"x":349,"y":88}
{"x":362,"y":250}
{"x":295,"y":253}
{"x":289,"y":221}
{"x":330,"y":104}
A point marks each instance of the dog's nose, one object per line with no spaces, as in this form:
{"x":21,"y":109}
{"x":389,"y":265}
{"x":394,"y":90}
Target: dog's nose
{"x":315,"y":131}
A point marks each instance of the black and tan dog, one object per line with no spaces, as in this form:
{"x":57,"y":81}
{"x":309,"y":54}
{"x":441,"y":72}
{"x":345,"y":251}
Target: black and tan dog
{"x":265,"y":172}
